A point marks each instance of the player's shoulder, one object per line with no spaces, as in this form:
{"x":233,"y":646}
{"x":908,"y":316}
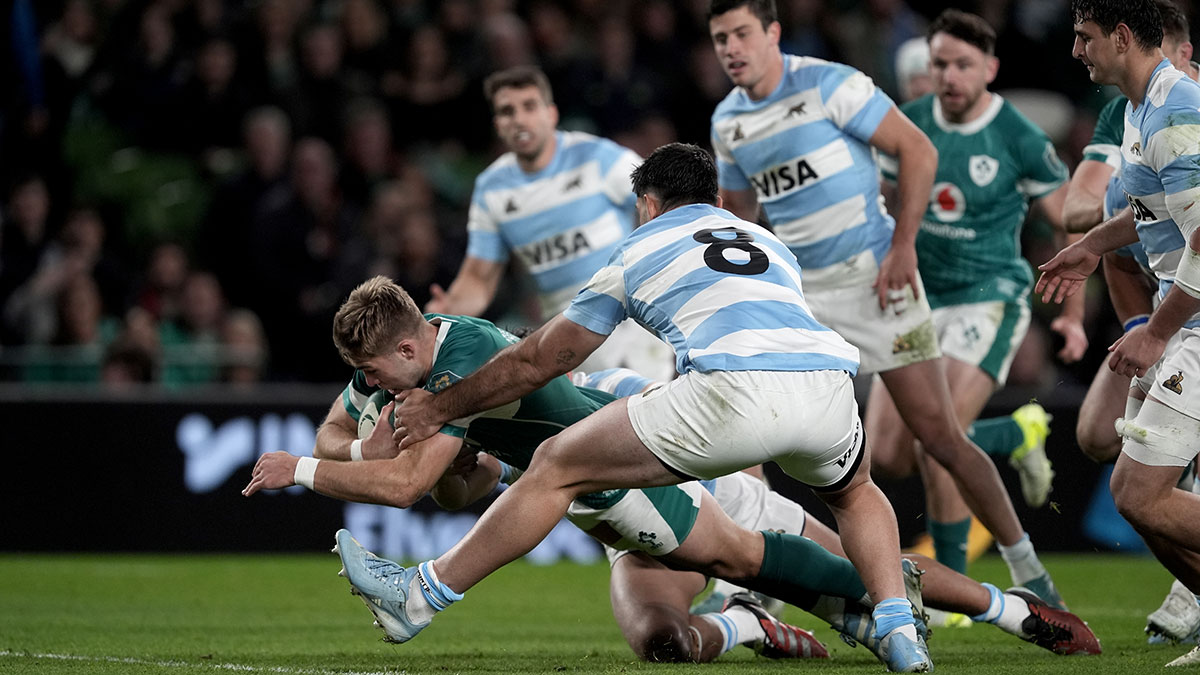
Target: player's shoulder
{"x":1174,"y":100}
{"x":501,"y":173}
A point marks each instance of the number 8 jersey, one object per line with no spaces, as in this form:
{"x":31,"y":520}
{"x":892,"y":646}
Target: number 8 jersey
{"x":725,"y":293}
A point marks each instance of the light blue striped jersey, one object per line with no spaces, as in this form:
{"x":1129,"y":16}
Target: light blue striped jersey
{"x":805,"y":150}
{"x":562,"y":222}
{"x":1160,"y":158}
{"x":619,"y":382}
{"x":724,"y":293}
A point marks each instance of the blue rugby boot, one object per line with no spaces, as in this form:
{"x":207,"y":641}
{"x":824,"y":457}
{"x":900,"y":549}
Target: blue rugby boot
{"x":905,"y":655}
{"x":382,"y":585}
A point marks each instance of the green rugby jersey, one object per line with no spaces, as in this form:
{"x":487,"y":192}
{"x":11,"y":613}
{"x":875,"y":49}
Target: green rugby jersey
{"x":1105,"y":145}
{"x":989,"y":169}
{"x":511,"y":432}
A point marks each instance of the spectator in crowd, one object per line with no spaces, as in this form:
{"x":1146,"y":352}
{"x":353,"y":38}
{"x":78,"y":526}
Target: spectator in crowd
{"x":309,"y":254}
{"x":126,"y":364}
{"x":82,"y":334}
{"x":163,"y":282}
{"x":191,"y":340}
{"x":244,"y":345}
{"x":213,"y":103}
{"x":266,"y":139}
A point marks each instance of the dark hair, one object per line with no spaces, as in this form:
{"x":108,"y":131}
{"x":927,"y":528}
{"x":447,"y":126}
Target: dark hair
{"x":763,"y":9}
{"x":678,"y":174}
{"x":1142,"y":17}
{"x":1174,"y":21}
{"x":518,"y":77}
{"x":969,"y":28}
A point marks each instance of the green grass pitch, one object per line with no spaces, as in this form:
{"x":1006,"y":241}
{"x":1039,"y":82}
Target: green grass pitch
{"x":292,"y":615}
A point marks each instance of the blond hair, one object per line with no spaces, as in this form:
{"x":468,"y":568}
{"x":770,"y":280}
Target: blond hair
{"x":377,"y":315}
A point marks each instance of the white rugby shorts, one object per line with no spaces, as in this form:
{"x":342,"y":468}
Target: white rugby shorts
{"x":886,"y":338}
{"x":705,"y":425}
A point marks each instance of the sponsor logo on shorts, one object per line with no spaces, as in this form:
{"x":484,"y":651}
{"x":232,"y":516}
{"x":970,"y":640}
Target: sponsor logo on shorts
{"x":853,"y":446}
{"x":1175,"y":382}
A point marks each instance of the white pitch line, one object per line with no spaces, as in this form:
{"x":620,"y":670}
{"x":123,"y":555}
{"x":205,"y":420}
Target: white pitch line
{"x":235,"y":667}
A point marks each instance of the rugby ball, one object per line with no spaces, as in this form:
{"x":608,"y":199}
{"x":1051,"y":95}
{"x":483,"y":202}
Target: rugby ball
{"x":370,"y":412}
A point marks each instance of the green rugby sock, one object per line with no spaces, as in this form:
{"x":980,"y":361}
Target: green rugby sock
{"x":950,"y":543}
{"x":797,"y":570}
{"x":997,"y":436}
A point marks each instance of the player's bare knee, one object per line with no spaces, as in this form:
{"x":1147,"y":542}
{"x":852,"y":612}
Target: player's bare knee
{"x":669,"y":642}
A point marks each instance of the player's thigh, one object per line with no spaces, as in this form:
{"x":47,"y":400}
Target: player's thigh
{"x":891,"y":441}
{"x":599,"y":452}
{"x":970,"y":389}
{"x":718,"y":546}
{"x":1104,"y":402}
{"x":922,"y":397}
{"x":650,"y":600}
{"x":654,"y":520}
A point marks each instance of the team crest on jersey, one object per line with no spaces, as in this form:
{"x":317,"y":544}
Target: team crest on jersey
{"x":573,"y":184}
{"x":441,"y":380}
{"x":983,"y":169}
{"x":510,"y":207}
{"x":1175,"y":382}
{"x":797,"y":109}
{"x":737,"y":132}
{"x":947,"y":202}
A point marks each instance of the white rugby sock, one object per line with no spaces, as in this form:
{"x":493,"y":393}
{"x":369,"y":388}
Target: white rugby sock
{"x":738,"y":626}
{"x":1023,"y":563}
{"x":1006,"y":611}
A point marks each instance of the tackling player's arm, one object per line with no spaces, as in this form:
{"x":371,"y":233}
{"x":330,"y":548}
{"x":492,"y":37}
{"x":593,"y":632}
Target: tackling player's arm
{"x":339,"y":431}
{"x":1083,"y":205}
{"x":398,"y":482}
{"x":916,"y":159}
{"x":556,"y":348}
{"x":471,"y":291}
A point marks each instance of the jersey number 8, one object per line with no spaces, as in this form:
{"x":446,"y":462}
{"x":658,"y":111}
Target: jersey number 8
{"x":714,"y":255}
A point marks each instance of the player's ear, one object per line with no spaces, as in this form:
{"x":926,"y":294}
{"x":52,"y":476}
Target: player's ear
{"x":992,"y":67}
{"x":774,"y":30}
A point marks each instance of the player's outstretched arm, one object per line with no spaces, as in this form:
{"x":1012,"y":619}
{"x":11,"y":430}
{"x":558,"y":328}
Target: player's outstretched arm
{"x":471,"y":291}
{"x":554,"y":349}
{"x":397,"y":482}
{"x":916,"y":157}
{"x":1066,"y":272}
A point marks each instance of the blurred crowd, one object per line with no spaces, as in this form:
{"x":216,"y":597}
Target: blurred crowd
{"x":191,"y":187}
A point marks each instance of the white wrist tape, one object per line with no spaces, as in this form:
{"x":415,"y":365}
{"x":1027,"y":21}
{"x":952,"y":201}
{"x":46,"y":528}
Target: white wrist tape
{"x":306,"y":471}
{"x":356,"y":450}
{"x":1187,"y":277}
